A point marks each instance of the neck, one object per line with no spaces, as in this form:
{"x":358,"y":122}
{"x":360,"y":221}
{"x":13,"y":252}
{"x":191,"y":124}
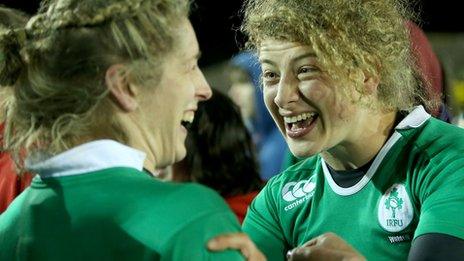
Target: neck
{"x":138,"y":137}
{"x":365,"y":143}
{"x":139,"y":140}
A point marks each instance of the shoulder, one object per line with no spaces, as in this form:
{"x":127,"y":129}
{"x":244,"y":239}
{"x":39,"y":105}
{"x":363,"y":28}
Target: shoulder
{"x":132,"y":193}
{"x":153,"y":209}
{"x":197,"y":195}
{"x":435,"y":161}
{"x":438,"y":141}
{"x":175,"y":195}
{"x":439,"y":133}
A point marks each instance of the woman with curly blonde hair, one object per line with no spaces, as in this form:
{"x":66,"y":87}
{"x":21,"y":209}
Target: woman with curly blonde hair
{"x":383,"y":180}
{"x":103,"y":91}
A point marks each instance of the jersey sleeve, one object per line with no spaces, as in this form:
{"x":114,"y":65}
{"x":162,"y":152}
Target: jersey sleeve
{"x":189,"y":242}
{"x":439,"y":183}
{"x":177,"y":222}
{"x":262,"y":225}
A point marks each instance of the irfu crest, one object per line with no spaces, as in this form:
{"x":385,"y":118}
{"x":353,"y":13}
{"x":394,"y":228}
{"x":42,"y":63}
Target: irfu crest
{"x":395,"y":210}
{"x":394,"y":202}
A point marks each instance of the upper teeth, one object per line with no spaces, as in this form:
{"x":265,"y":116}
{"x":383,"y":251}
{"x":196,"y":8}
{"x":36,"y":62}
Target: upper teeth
{"x":300,"y":117}
{"x":188,"y":117}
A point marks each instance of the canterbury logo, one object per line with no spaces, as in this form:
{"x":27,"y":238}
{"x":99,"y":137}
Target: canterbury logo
{"x":295,"y":190}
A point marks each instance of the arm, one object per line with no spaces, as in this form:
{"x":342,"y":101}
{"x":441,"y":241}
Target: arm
{"x":262,"y":225}
{"x":438,"y":188}
{"x":436,"y":246}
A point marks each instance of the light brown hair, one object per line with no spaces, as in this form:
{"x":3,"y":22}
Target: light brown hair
{"x":57,"y":66}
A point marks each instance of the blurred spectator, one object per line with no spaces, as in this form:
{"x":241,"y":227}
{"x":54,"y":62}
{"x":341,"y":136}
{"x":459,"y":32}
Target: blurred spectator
{"x":458,"y":94}
{"x":220,"y":154}
{"x":245,"y":90}
{"x":431,"y":71}
{"x":11,"y":184}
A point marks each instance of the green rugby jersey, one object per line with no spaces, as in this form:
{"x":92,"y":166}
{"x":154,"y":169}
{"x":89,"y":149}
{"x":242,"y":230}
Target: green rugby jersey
{"x":115,"y":213}
{"x":413,"y":187}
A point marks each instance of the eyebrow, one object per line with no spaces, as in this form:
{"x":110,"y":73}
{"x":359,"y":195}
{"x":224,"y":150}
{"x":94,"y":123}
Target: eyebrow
{"x":303,"y":56}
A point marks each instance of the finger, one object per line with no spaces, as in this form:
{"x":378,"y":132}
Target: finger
{"x":234,"y":241}
{"x":256,"y":256}
{"x":321,"y":253}
{"x":311,"y":242}
{"x":333,"y":241}
{"x":299,"y":253}
{"x":239,"y":241}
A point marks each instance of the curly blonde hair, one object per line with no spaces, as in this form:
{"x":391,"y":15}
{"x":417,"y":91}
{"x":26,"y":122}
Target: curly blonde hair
{"x":348,"y":36}
{"x":57,"y":66}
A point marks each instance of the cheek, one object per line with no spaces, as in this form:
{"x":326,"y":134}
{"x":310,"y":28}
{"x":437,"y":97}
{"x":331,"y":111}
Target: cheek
{"x":269,"y":96}
{"x":334,"y":103}
{"x":316,"y":92}
{"x":343,"y":108}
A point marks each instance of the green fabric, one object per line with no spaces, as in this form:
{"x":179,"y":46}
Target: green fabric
{"x":114,"y":214}
{"x":428,"y":162}
{"x":289,"y":160}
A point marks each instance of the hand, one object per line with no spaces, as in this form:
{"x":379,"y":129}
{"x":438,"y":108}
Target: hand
{"x":328,"y":247}
{"x":239,"y":241}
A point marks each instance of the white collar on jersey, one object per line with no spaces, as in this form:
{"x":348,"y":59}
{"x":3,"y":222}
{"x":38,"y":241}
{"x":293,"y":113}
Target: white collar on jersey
{"x":88,"y":157}
{"x":414,"y":119}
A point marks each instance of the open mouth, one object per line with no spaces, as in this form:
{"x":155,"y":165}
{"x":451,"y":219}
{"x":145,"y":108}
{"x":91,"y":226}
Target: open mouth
{"x":300,"y":125}
{"x":187,"y":120}
{"x":186,"y":124}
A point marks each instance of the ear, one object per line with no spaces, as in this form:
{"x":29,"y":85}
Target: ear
{"x":371,"y":82}
{"x":123,"y":93}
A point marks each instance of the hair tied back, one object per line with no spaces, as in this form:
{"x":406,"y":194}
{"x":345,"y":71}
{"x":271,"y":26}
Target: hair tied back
{"x":11,"y":62}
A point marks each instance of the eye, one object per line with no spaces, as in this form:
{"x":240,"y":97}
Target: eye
{"x":269,"y":76}
{"x":307,"y":69}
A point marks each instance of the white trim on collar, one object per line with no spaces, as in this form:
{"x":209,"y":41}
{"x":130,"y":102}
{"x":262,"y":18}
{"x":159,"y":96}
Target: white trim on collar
{"x":85,"y":158}
{"x":414,"y":119}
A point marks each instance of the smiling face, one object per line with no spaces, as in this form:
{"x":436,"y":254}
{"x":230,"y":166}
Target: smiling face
{"x":172,"y":103}
{"x":309,"y":109}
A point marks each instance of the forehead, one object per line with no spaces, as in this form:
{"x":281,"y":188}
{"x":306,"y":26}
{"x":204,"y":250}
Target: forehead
{"x":186,"y":40}
{"x":279,"y":50}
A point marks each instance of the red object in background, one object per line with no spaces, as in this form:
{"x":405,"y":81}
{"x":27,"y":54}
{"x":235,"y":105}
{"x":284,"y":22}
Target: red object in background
{"x":239,"y":204}
{"x":11,"y":185}
{"x":426,"y":60}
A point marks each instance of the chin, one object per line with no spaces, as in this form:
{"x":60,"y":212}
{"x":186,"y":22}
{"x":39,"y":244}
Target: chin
{"x":302,"y":151}
{"x":180,"y":155}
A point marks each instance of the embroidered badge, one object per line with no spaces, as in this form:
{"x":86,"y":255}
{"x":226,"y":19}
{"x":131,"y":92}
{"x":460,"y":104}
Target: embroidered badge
{"x":395,"y":210}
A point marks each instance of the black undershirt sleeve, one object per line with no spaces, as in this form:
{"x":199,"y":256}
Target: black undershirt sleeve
{"x":436,"y":246}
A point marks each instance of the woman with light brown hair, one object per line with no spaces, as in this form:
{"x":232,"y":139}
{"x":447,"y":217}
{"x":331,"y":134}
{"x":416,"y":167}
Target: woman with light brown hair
{"x":102,"y":93}
{"x":11,"y":184}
